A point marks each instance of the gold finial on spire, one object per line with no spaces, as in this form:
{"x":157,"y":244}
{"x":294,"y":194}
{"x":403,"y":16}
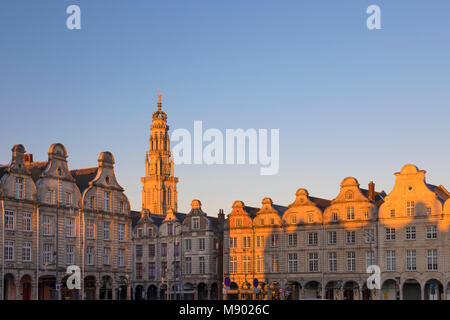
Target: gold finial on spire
{"x":159,"y":99}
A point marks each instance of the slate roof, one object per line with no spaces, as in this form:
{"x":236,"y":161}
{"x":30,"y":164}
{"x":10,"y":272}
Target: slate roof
{"x":83,"y":177}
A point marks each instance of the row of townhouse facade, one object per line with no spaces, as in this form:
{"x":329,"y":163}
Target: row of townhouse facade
{"x":178,"y":256}
{"x":321,"y":249}
{"x":53,"y":218}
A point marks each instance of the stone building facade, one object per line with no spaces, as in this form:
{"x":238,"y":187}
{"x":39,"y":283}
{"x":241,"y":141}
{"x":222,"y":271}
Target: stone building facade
{"x":316,"y":248}
{"x":178,"y":251}
{"x":53,"y":218}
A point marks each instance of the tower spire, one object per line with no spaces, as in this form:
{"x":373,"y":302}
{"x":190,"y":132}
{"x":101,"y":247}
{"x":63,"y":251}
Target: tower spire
{"x":159,"y":99}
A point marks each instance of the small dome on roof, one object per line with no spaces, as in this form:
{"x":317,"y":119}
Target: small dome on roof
{"x":349,"y":181}
{"x":238,"y":204}
{"x":196,"y":204}
{"x":409,"y":168}
{"x":106,"y":157}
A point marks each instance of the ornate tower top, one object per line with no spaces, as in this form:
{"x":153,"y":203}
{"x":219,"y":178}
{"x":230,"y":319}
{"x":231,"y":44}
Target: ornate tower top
{"x":159,"y":192}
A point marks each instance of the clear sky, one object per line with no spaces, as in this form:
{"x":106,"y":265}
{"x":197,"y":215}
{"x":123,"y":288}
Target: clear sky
{"x":348,"y":101}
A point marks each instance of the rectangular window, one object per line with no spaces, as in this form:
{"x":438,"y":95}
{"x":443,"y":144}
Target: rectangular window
{"x":163,"y":249}
{"x":9,"y":250}
{"x":350,"y":213}
{"x":196,"y":223}
{"x":170,"y":229}
{"x":246,"y":264}
{"x":188,"y":265}
{"x":246,"y":242}
{"x":9,"y":220}
{"x":275,"y":264}
{"x":121,"y":207}
{"x":140,"y":232}
{"x":151,"y":270}
{"x":70,"y":227}
{"x":392,"y":213}
{"x":351,"y":261}
{"x":90,"y":256}
{"x":138,"y":270}
{"x":68,"y":198}
{"x":121,"y":232}
{"x":351,"y":237}
{"x":233,"y":243}
{"x":390,"y":260}
{"x":51,"y":197}
{"x":26,"y":251}
{"x":27,"y":224}
{"x":292,"y":240}
{"x":313,"y":262}
{"x":121,"y":257}
{"x":92,"y":202}
{"x":188,"y":244}
{"x":411,"y":260}
{"x":106,"y":256}
{"x":201,"y":244}
{"x":410,"y":233}
{"x":69,"y":255}
{"x":410,"y":208}
{"x":259,"y":264}
{"x":274,"y":241}
{"x":151,"y":250}
{"x":260,"y":241}
{"x":332,"y":237}
{"x":150,"y":232}
{"x":19,"y":188}
{"x":332,"y":261}
{"x":428,"y":211}
{"x":369,"y":236}
{"x":432,"y":232}
{"x":138,"y":251}
{"x":292,"y":263}
{"x":335,"y":217}
{"x":107,"y":201}
{"x":432,"y":260}
{"x":48,"y":225}
{"x":370,"y":258}
{"x":293,"y":219}
{"x":312,"y":238}
{"x":233,"y":265}
{"x":106,"y":230}
{"x":390,"y":234}
{"x":90,"y":229}
{"x":47,"y":254}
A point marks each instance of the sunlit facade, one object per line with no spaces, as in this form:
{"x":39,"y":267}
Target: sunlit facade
{"x":320,"y":249}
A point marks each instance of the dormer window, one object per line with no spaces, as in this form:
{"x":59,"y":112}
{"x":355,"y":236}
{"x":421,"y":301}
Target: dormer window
{"x":170,"y":229}
{"x":139,"y":233}
{"x":310,"y":218}
{"x":195,"y":223}
{"x":68,"y":198}
{"x":293,"y":219}
{"x":108,"y":180}
{"x":121,"y":207}
{"x":107,"y":201}
{"x":349,"y":195}
{"x":150,"y":232}
{"x":92,"y":202}
{"x":19,"y":188}
{"x":50,"y":196}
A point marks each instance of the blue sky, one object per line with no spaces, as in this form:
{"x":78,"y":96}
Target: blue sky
{"x":348,"y":101}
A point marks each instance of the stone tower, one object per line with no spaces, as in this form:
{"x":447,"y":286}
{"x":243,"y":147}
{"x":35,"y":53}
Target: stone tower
{"x":159,"y":186}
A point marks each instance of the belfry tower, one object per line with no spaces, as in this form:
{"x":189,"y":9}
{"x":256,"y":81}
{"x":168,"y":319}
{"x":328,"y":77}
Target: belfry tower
{"x":159,"y":186}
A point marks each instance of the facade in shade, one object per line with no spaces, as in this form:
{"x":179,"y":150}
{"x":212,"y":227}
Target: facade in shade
{"x":321,"y":249}
{"x":54,"y":218}
{"x":178,"y":251}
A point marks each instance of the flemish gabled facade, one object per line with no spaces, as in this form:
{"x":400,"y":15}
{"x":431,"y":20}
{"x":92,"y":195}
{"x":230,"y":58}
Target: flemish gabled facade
{"x":46,"y":230}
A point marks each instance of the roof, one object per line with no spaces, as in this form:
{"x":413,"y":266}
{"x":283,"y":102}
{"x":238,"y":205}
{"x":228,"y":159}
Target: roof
{"x":440,"y":192}
{"x":83,"y":177}
{"x":157,"y":218}
{"x":36,"y":169}
{"x":379,"y":196}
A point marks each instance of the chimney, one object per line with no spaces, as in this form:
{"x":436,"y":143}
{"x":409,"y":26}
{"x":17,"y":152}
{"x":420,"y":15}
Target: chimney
{"x":371,"y":191}
{"x":28,"y":159}
{"x":221,"y":217}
